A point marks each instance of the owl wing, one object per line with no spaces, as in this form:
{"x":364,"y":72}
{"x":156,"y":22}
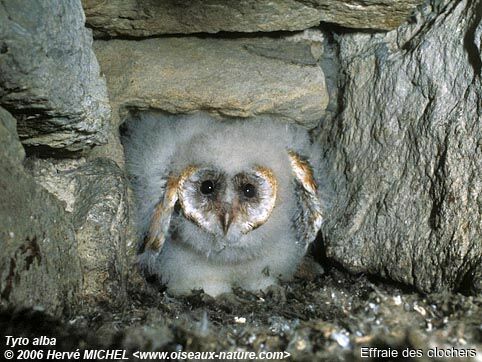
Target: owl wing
{"x":161,"y":216}
{"x":309,"y":216}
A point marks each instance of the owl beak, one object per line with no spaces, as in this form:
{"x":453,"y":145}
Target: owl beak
{"x":226,"y":219}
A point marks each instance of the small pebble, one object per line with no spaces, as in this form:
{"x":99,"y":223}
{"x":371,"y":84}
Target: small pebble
{"x":240,"y":320}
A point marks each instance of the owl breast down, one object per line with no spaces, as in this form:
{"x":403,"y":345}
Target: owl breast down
{"x":221,"y":203}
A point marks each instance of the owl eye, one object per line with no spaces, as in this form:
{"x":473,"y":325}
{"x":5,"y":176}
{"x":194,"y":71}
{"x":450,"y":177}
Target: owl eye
{"x":249,"y":190}
{"x":207,"y":187}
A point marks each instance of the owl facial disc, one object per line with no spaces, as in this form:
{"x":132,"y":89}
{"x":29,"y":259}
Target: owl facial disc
{"x":228,"y":206}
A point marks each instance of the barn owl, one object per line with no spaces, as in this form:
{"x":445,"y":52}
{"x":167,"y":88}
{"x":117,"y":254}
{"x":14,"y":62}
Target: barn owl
{"x":221,"y":203}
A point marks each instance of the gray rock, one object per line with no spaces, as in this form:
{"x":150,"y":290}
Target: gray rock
{"x":12,"y":148}
{"x":147,"y":18}
{"x":406,"y":152}
{"x":228,"y":77}
{"x":100,"y":219}
{"x":49,"y":77}
{"x":95,"y":193}
{"x":39,"y":266}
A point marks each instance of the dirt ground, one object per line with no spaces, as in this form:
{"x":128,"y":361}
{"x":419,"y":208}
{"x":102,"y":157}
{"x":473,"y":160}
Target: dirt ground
{"x":329,"y":318}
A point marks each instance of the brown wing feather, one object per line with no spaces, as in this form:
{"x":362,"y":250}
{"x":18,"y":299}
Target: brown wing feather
{"x":161,"y":217}
{"x":310,"y":216}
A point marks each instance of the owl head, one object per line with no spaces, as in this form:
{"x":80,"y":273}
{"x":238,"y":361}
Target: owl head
{"x":226,"y":180}
{"x":224,"y":204}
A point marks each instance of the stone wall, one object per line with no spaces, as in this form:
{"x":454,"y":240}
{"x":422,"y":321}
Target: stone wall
{"x":49,"y":76}
{"x":63,"y":225}
{"x":397,"y":113}
{"x":406,"y":150}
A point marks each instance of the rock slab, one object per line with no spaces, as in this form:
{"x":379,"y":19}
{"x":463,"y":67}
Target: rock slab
{"x":238,"y":78}
{"x":225,"y":77}
{"x":49,"y":76}
{"x":39,"y":265}
{"x":406,"y":152}
{"x":94,"y":193}
{"x":147,"y":18}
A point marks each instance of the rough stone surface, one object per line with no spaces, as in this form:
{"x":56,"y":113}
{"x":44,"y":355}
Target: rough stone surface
{"x":147,"y":18}
{"x":95,"y":193}
{"x":12,"y":148}
{"x":230,"y":77}
{"x":49,"y":76}
{"x":39,"y":266}
{"x":407,"y":152}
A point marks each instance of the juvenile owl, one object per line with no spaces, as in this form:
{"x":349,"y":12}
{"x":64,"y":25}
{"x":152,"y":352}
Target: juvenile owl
{"x":221,"y":204}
